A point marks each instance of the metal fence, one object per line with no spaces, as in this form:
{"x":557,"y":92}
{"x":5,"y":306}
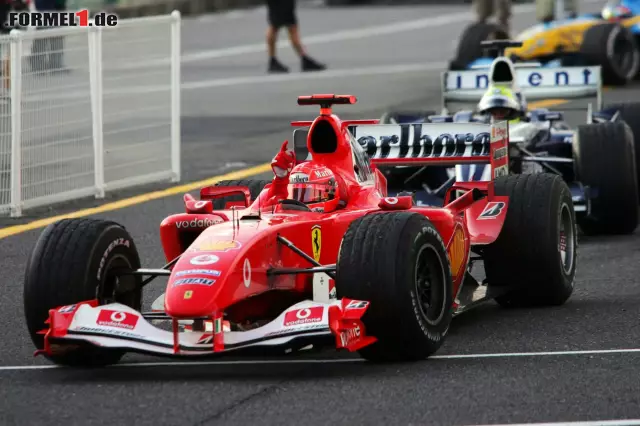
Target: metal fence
{"x":88,"y":110}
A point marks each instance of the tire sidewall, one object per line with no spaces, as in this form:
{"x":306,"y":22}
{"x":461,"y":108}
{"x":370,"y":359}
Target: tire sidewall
{"x":429,"y":238}
{"x":616,"y":34}
{"x":563,"y":200}
{"x":113,"y":243}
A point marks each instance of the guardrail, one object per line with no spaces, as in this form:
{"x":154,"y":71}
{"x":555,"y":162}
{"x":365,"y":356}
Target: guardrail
{"x":109,"y":120}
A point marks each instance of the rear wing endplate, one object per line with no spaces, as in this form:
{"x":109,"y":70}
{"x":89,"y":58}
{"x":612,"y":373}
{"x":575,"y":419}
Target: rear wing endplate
{"x":536,"y":83}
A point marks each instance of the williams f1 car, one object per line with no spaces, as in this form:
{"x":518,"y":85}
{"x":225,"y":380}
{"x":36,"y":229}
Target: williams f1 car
{"x":597,"y":159}
{"x":609,"y":39}
{"x":377,"y":275}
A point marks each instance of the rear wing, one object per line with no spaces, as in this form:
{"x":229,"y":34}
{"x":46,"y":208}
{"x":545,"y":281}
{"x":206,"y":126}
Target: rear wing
{"x":442,"y":144}
{"x":536,"y":83}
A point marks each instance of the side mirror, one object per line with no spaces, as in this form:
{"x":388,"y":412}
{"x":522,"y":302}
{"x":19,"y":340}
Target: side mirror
{"x":213,"y":192}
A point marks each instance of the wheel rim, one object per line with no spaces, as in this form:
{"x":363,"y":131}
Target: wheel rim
{"x":623,"y":54}
{"x":566,"y":240}
{"x":107,"y":291}
{"x":430,"y":284}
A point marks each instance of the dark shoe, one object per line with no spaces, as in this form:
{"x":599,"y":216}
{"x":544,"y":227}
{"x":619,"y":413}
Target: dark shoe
{"x":276,"y":67}
{"x":309,"y":64}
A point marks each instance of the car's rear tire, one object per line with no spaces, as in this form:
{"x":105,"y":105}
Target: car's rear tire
{"x":385,"y":259}
{"x":615,"y":49}
{"x":630,"y":114}
{"x":74,"y":261}
{"x":534,"y":258}
{"x":255,"y":188}
{"x":604,"y":161}
{"x":469,"y":48}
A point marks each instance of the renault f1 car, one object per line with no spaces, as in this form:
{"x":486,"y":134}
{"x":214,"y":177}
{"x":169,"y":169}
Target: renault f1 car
{"x":609,"y":39}
{"x":598,"y":159}
{"x":380,"y":275}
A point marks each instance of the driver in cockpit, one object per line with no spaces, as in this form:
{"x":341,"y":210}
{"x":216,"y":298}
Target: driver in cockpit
{"x":501,"y":103}
{"x":308,"y":183}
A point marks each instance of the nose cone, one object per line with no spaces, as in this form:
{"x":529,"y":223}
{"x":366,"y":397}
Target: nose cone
{"x":194,"y":285}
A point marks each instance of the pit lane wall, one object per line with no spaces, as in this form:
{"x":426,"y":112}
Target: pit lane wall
{"x":110,"y":119}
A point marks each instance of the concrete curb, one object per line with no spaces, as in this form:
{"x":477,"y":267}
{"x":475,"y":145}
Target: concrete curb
{"x":186,"y":7}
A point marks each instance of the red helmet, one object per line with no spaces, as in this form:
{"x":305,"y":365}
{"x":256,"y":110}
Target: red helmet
{"x":314,"y":185}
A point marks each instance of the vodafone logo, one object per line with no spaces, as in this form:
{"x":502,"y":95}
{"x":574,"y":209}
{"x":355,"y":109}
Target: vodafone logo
{"x":118,"y":316}
{"x":200,"y":204}
{"x":391,"y":200}
{"x":246,"y":273}
{"x":303,"y":313}
{"x":304,"y":316}
{"x":117,"y":319}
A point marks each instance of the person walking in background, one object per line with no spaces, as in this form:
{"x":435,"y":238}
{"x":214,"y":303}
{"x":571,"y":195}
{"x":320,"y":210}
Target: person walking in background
{"x":546,"y":10}
{"x":47,"y":52}
{"x":281,"y":13}
{"x":485,"y":8}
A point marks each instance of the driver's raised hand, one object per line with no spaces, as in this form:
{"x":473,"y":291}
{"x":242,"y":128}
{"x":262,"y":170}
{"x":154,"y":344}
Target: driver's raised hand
{"x":283,"y":162}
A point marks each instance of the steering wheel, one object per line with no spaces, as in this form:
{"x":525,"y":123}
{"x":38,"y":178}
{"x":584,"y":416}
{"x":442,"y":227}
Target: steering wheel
{"x":295,"y":205}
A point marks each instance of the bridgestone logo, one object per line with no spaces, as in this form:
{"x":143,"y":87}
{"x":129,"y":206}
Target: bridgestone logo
{"x":197,"y":223}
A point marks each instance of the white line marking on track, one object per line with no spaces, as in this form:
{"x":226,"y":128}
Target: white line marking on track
{"x":299,"y":76}
{"x":332,"y":361}
{"x":630,"y":422}
{"x":535,"y":354}
{"x":257,"y":79}
{"x":352,"y":34}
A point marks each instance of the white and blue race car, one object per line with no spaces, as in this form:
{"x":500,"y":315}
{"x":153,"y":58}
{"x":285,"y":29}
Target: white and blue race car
{"x":597,"y":159}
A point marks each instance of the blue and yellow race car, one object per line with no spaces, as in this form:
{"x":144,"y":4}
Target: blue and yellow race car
{"x":610,"y":39}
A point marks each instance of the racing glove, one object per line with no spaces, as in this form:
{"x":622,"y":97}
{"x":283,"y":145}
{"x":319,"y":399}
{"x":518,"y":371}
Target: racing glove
{"x":283,"y":162}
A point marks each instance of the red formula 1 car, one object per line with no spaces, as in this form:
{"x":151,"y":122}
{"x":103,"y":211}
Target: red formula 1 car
{"x":273,"y":272}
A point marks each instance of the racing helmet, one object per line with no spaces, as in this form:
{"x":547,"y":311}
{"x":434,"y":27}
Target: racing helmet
{"x":314,"y":185}
{"x":501,"y":102}
{"x":613,"y":11}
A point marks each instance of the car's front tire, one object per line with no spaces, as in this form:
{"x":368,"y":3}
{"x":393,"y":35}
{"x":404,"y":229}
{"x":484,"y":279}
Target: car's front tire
{"x":75,"y":260}
{"x":398,"y":262}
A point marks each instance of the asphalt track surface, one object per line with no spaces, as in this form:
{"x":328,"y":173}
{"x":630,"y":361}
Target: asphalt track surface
{"x":572,"y":363}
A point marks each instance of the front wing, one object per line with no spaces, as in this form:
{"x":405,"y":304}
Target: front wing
{"x":117,"y":326}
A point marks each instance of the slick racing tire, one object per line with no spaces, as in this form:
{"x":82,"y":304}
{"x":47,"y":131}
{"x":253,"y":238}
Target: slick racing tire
{"x":398,"y":262}
{"x":630,"y":114}
{"x":400,"y":117}
{"x":74,"y":261}
{"x":615,"y":49}
{"x":533,"y":261}
{"x":604,"y":160}
{"x":469,"y":48}
{"x":255,"y":188}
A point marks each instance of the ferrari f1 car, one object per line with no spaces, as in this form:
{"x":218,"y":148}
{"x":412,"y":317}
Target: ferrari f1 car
{"x":378,"y":275}
{"x":598,"y":159}
{"x":609,"y":39}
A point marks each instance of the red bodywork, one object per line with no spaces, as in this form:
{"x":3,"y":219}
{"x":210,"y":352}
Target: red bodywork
{"x":254,"y":241}
{"x":235,"y":248}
